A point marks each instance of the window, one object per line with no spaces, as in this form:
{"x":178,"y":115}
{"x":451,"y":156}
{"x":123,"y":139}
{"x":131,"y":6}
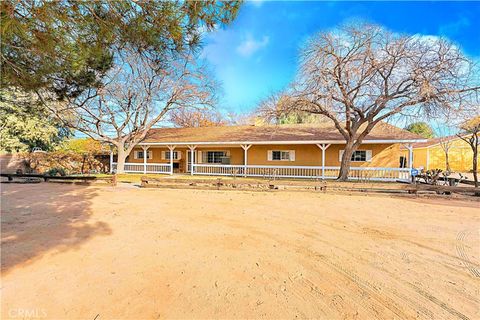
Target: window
{"x":359,"y":155}
{"x":215,"y":156}
{"x":140,"y":155}
{"x":281,"y":155}
{"x":175,"y":155}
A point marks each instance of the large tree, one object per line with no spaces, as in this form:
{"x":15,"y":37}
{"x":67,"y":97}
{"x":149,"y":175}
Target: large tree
{"x":67,"y":46}
{"x":77,"y":57}
{"x":275,"y":110}
{"x":196,"y":117}
{"x":25,"y":125}
{"x":137,"y":94}
{"x":360,"y":75}
{"x":421,"y":128}
{"x":470,"y":133}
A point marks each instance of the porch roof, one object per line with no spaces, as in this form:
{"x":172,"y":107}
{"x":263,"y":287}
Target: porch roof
{"x":278,"y":134}
{"x":435,"y":141}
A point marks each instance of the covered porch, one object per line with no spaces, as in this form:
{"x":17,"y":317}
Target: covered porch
{"x":306,"y":161}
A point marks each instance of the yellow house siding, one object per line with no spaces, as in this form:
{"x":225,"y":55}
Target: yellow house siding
{"x":420,"y":158}
{"x":305,"y":155}
{"x":383,"y":155}
{"x":236,"y":154}
{"x":156,"y":155}
{"x":433,"y":157}
{"x":460,"y":157}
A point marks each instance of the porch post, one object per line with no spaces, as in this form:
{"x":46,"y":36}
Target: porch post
{"x":171,"y":148}
{"x":111,"y":159}
{"x":245,"y":148}
{"x":410,"y":159}
{"x":324,"y":147}
{"x":192,"y":158}
{"x":145,"y":154}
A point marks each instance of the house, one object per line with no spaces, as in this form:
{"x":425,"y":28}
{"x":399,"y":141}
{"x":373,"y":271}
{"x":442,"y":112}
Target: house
{"x":295,"y":151}
{"x":431,"y":154}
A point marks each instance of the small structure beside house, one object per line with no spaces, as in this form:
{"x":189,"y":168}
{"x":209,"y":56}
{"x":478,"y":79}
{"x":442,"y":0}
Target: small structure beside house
{"x":431,"y":154}
{"x":290,"y":151}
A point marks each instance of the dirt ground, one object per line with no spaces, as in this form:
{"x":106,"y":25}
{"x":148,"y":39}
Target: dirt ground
{"x":103,"y":253}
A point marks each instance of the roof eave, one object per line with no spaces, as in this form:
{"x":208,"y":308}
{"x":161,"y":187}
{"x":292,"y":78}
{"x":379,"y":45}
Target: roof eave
{"x":380,"y":141}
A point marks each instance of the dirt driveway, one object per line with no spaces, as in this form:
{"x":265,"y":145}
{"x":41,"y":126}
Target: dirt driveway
{"x":104,"y":253}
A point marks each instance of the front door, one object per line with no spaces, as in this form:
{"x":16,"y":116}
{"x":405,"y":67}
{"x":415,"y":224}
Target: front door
{"x":189,"y":160}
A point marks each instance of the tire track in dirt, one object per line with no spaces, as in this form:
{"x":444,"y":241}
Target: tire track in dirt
{"x":366,"y":284}
{"x":389,"y":236}
{"x":417,"y":289}
{"x":359,"y":299}
{"x":460,"y":248}
{"x":366,"y":288}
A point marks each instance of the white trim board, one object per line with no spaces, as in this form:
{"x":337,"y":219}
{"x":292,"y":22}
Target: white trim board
{"x":277,"y":142}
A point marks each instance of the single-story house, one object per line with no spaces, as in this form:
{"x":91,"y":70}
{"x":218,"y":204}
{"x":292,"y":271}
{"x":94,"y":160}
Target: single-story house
{"x":431,"y":154}
{"x":298,"y":151}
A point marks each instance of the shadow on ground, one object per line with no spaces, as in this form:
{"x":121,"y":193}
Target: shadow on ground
{"x":39,"y":218}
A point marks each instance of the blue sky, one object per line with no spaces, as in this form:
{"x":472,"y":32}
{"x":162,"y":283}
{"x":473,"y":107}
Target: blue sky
{"x":257,"y":53}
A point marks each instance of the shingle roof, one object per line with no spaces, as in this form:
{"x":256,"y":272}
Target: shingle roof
{"x":276,"y":133}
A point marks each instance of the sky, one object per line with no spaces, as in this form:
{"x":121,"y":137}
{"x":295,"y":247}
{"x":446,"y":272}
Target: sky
{"x":257,"y":54}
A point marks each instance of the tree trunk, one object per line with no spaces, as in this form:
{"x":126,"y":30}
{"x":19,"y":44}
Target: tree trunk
{"x":83,"y":165}
{"x":475,"y":166}
{"x":346,"y":160}
{"x":121,"y":156}
{"x":447,"y":163}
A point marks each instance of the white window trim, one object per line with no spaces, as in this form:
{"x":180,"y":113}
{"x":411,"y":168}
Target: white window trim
{"x":368,"y":156}
{"x":226,"y":153}
{"x":291,"y":155}
{"x":136,"y":154}
{"x":175,"y":155}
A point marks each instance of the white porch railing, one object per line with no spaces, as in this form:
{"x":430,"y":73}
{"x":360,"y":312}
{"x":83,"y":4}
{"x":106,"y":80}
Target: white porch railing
{"x":356,"y":173}
{"x":139,"y":167}
{"x":272,"y":172}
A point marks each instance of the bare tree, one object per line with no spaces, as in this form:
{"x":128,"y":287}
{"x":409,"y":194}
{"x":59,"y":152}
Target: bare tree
{"x":446,"y":125}
{"x":137,"y":94}
{"x":470,"y":133}
{"x":196,"y":117}
{"x":360,"y":76}
{"x":275,"y":109}
{"x":446,"y":144}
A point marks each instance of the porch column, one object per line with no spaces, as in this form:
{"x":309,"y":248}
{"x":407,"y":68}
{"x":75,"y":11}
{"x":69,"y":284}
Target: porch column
{"x":323,"y":147}
{"x":111,"y":159}
{"x":192,"y":158}
{"x":245,"y":148}
{"x":145,"y":154}
{"x":410,"y":159}
{"x":171,"y":148}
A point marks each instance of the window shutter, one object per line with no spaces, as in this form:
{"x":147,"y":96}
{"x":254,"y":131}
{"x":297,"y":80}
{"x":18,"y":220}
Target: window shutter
{"x":227,"y":153}
{"x":269,"y":155}
{"x":369,"y":155}
{"x":292,"y":155}
{"x":205,"y":157}
{"x":179,"y":155}
{"x":340,"y":155}
{"x":200,"y":157}
{"x":150,"y":154}
{"x":135,"y":154}
{"x":163,"y":155}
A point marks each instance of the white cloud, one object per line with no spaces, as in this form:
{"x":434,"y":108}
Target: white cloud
{"x":251,"y":45}
{"x":256,"y":3}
